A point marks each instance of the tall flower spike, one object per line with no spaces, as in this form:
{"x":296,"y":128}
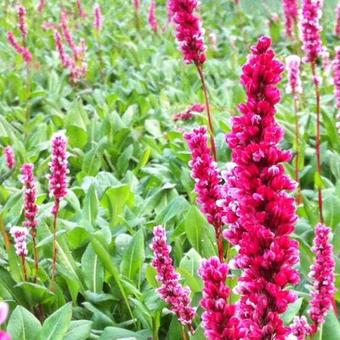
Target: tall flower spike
{"x":41,"y":5}
{"x":22,"y":25}
{"x":189,"y":31}
{"x":152,"y":16}
{"x":19,"y":235}
{"x":311,"y":28}
{"x":262,"y":215}
{"x":337,"y":21}
{"x":30,"y":196}
{"x":23,"y":51}
{"x":59,"y":170}
{"x":171,"y":290}
{"x":9,"y":157}
{"x":336,"y":78}
{"x":218,"y":320}
{"x":294,"y":82}
{"x":208,"y":181}
{"x":81,"y":11}
{"x":98,"y":17}
{"x":290,"y":10}
{"x":322,"y":274}
{"x":64,"y":58}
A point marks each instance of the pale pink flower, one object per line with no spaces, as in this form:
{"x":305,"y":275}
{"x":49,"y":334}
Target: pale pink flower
{"x":9,"y":157}
{"x":22,"y":25}
{"x":98,"y":17}
{"x":23,"y":51}
{"x":19,"y":235}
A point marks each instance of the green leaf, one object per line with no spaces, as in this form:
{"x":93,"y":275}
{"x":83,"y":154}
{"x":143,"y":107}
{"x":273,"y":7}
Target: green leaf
{"x":57,"y":324}
{"x":79,"y":330}
{"x":23,"y":325}
{"x":35,"y":294}
{"x":292,"y":310}
{"x":111,"y":333}
{"x":90,"y":207}
{"x":134,"y":256}
{"x":331,"y":327}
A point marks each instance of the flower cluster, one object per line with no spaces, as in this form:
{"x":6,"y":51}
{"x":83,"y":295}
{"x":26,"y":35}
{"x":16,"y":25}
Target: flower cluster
{"x":30,"y":195}
{"x":59,"y":170}
{"x":290,"y":9}
{"x":336,"y":78}
{"x":322,"y":274}
{"x":294,"y":82}
{"x":206,"y":175}
{"x":262,"y":215}
{"x":189,"y":31}
{"x":23,"y":51}
{"x":152,"y":16}
{"x":325,"y":59}
{"x":299,"y":328}
{"x":218,"y":320}
{"x":77,"y":63}
{"x":19,"y":235}
{"x":171,"y":290}
{"x":188,"y":113}
{"x":311,"y":28}
{"x":41,"y":5}
{"x":337,"y":20}
{"x":81,"y":11}
{"x":9,"y":157}
{"x":98,"y":17}
{"x":3,"y":317}
{"x":22,"y":25}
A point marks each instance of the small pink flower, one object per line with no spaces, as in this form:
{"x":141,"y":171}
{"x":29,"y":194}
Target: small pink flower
{"x":98,"y":17}
{"x":294,"y":82}
{"x":189,"y":113}
{"x":300,"y":328}
{"x":9,"y":157}
{"x":30,"y":196}
{"x":311,"y":28}
{"x":23,"y":51}
{"x":22,"y":21}
{"x":81,"y":11}
{"x":290,"y":9}
{"x":171,"y":290}
{"x":322,"y":274}
{"x":59,"y":170}
{"x":19,"y":235}
{"x":326,"y":64}
{"x":189,"y":31}
{"x":152,"y":16}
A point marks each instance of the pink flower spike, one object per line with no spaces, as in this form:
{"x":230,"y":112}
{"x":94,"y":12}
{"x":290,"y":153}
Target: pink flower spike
{"x":66,"y":31}
{"x":64,"y":58}
{"x":294,"y":82}
{"x":81,"y":11}
{"x":299,"y":328}
{"x":260,"y":211}
{"x":337,"y":21}
{"x":41,"y":5}
{"x":152,"y":16}
{"x":290,"y":9}
{"x":171,"y":290}
{"x":59,"y":170}
{"x":22,"y":21}
{"x":189,"y":31}
{"x":311,"y":28}
{"x":19,"y":235}
{"x":219,"y":319}
{"x":23,"y":51}
{"x":136,"y":4}
{"x":336,"y":76}
{"x":9,"y":157}
{"x":30,"y":196}
{"x":98,"y":17}
{"x":323,"y":277}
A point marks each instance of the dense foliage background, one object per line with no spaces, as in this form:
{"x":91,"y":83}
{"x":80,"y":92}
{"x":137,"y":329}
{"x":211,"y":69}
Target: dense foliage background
{"x":129,"y":163}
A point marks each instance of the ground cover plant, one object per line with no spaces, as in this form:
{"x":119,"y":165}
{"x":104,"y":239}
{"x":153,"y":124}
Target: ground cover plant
{"x":169,"y":169}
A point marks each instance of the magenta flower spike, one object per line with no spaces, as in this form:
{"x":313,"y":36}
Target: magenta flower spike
{"x":19,"y":235}
{"x":290,"y":10}
{"x":152,"y":16}
{"x":294,"y":81}
{"x":3,"y":316}
{"x":262,"y":214}
{"x":98,"y":17}
{"x":30,"y":196}
{"x":337,"y":20}
{"x":22,"y":25}
{"x":311,"y":28}
{"x":66,"y":31}
{"x":189,"y":32}
{"x":323,"y":277}
{"x":336,"y":79}
{"x":59,"y":170}
{"x":300,"y":328}
{"x":9,"y":157}
{"x":64,"y":58}
{"x":171,"y":290}
{"x":23,"y":51}
{"x":219,"y":319}
{"x":81,"y":11}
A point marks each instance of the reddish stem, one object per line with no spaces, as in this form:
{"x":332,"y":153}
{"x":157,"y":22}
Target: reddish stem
{"x":206,"y":97}
{"x":219,"y":239}
{"x":297,"y":155}
{"x":36,"y":254}
{"x":54,"y":258}
{"x":318,"y":153}
{"x":24,"y":268}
